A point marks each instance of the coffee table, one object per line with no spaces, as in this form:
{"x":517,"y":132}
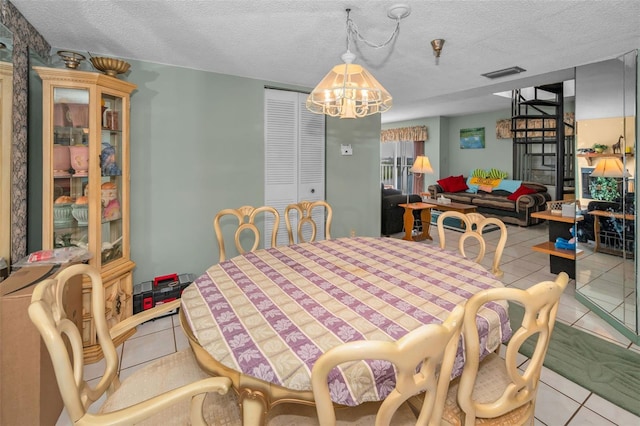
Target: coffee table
{"x":456,"y":207}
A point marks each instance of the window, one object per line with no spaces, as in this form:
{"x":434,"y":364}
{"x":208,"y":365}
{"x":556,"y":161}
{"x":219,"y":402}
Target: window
{"x":396,"y":158}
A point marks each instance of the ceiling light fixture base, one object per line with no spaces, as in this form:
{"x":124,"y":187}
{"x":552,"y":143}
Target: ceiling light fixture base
{"x":437,"y":45}
{"x":399,"y":11}
{"x":348,"y":57}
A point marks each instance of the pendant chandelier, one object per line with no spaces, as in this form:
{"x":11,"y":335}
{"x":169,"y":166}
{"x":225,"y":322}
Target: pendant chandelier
{"x":349,"y":90}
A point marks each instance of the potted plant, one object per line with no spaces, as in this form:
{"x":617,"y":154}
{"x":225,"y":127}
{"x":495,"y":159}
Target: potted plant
{"x":600,"y":148}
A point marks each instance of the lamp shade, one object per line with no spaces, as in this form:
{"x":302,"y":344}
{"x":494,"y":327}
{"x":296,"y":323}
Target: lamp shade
{"x":610,"y":168}
{"x":422,"y":165}
{"x":349,"y":91}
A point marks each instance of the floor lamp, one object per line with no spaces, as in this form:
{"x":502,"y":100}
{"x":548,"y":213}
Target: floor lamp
{"x":612,"y":168}
{"x":421,"y":166}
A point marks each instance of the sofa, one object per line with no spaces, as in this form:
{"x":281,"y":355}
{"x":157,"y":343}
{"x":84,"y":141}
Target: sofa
{"x":392,"y":214}
{"x":513,"y":205}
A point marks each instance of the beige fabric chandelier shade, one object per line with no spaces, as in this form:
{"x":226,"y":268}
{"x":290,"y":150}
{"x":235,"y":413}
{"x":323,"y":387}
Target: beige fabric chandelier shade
{"x":349,"y":91}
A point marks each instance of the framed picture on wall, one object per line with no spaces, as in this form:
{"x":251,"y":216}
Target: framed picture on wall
{"x":472,"y":138}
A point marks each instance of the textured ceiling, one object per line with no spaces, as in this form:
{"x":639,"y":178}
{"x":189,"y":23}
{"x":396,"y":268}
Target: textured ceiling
{"x":298,"y":41}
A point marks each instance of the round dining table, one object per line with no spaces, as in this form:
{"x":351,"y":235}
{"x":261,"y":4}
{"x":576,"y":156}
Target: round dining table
{"x":263,"y":318}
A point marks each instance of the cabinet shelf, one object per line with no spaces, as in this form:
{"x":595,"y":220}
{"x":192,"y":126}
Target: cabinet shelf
{"x":110,"y":220}
{"x":71,"y":176}
{"x":591,"y":155}
{"x":549,"y":247}
{"x":71,"y":227}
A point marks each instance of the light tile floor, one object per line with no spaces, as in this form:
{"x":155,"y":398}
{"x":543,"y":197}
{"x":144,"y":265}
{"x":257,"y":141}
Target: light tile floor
{"x":560,"y":401}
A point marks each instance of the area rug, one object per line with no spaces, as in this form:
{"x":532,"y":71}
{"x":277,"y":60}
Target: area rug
{"x":604,"y":368}
{"x":455,"y":224}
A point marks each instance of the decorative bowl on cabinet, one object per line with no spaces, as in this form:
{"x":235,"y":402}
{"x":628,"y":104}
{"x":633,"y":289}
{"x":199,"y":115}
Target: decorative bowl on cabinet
{"x":71,"y":59}
{"x":110,"y":66}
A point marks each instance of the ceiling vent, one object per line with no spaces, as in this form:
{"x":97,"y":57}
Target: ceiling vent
{"x":503,"y":73}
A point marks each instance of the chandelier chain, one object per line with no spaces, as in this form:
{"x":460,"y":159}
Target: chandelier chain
{"x":352,"y":28}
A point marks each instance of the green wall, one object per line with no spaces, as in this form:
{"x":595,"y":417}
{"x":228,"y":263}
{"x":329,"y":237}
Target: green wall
{"x":497,"y":153}
{"x":353,"y":181}
{"x":197,"y":147}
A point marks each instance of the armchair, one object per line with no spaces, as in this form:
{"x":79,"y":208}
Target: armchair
{"x":171,"y":390}
{"x":392,"y":220}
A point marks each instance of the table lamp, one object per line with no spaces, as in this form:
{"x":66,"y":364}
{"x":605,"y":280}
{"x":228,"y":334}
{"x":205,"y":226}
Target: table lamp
{"x":421,"y":166}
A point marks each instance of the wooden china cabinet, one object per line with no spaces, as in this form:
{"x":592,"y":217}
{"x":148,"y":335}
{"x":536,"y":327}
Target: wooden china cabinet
{"x":86,"y":183}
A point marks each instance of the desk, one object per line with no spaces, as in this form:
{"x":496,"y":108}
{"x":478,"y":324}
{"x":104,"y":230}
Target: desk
{"x":263,"y":318}
{"x":425,"y":218}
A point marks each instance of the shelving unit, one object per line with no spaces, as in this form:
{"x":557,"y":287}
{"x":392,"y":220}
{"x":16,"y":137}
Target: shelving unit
{"x":559,"y":259}
{"x":591,"y":156}
{"x":86,"y":185}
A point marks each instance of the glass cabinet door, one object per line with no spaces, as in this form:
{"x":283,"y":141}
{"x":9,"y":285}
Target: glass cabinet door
{"x":111,"y":178}
{"x":70,"y":167}
{"x":85,"y":166}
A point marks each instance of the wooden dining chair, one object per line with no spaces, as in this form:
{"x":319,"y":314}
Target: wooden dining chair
{"x":246,"y":217}
{"x":172,"y":390}
{"x":422,"y":360}
{"x":305,"y":217}
{"x":474,"y":223}
{"x":495,"y":391}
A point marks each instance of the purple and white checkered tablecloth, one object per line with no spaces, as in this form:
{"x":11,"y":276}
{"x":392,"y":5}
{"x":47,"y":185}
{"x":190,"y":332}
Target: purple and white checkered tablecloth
{"x":271,"y":313}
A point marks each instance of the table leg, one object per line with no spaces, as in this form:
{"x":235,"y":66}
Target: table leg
{"x":425,"y":218}
{"x":596,"y":233}
{"x":253,"y":408}
{"x":408,"y":224}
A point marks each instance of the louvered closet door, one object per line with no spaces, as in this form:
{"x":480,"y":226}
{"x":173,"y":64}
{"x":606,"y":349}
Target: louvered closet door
{"x":311,"y":162}
{"x":294,"y":156}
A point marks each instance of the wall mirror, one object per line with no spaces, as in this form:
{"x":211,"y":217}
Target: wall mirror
{"x":606,"y":269}
{"x":6,"y":94}
{"x":35,"y":166}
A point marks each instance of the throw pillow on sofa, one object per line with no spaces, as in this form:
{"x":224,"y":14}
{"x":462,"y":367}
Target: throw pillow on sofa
{"x":472,"y":187}
{"x":523,"y":190}
{"x":445,"y":183}
{"x":509,"y":185}
{"x":453,"y":184}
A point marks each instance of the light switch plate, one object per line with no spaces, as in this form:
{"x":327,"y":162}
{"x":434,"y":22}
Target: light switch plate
{"x":346,"y":150}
